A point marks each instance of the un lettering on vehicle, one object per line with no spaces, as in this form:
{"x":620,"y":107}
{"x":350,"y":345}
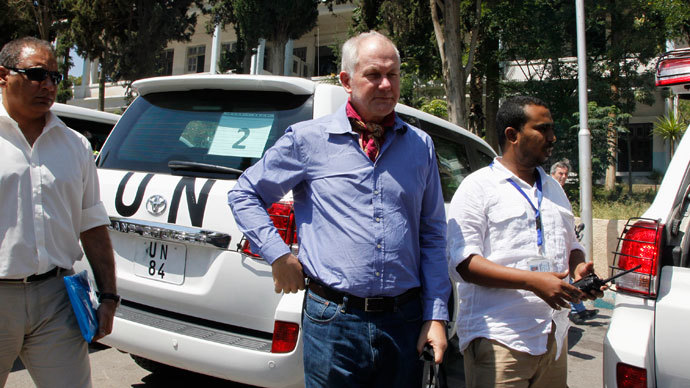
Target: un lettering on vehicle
{"x":160,"y":261}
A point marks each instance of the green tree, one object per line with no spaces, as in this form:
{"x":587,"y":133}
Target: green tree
{"x":456,"y":27}
{"x":438,"y":108}
{"x":16,"y":21}
{"x":275,"y":21}
{"x":601,"y":121}
{"x":670,"y":128}
{"x":124,"y":36}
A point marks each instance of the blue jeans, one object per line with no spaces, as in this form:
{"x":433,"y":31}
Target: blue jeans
{"x":346,"y":347}
{"x":576,"y":307}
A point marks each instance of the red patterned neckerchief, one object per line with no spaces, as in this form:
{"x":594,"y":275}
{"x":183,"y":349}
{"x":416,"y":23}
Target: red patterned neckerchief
{"x":371,"y":135}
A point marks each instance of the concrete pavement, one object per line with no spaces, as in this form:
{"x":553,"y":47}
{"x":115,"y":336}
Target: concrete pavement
{"x":112,"y":369}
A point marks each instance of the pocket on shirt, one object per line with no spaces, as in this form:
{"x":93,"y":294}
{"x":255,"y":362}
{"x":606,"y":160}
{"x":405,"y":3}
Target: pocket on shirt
{"x":502,"y":213}
{"x":507,"y":223}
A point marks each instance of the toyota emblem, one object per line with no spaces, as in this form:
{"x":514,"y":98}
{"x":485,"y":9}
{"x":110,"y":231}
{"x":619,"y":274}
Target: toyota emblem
{"x":156,"y":205}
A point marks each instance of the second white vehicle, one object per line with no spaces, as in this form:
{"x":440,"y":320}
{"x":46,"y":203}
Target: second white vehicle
{"x":646,"y":344}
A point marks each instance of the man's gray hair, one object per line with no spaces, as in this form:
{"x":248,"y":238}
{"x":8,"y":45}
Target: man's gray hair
{"x":565,"y":163}
{"x":350,"y":50}
{"x":12,"y":51}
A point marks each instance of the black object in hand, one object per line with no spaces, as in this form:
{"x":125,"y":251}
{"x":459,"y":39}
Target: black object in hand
{"x":593,"y":282}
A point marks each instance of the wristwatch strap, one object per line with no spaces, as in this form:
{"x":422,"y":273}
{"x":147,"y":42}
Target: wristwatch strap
{"x":107,"y":295}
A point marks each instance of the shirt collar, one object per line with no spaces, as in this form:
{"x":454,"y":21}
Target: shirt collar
{"x":51,"y":120}
{"x":503,"y":173}
{"x":343,"y":123}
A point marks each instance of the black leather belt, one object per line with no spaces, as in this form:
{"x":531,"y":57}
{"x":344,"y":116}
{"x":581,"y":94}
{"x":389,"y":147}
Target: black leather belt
{"x":372,"y":305}
{"x":35,"y":278}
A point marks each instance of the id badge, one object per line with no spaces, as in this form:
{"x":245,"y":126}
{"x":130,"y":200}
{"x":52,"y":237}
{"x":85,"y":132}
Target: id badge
{"x":539,"y":264}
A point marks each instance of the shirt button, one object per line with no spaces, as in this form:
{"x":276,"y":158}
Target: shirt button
{"x":377,"y":273}
{"x":376,"y":192}
{"x":378,"y":219}
{"x":378,"y":246}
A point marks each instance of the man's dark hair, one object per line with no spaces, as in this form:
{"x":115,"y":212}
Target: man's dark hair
{"x":512,"y":114}
{"x":11,"y":51}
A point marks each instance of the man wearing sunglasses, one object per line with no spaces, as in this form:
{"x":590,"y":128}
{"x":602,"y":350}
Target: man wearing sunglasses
{"x":51,"y":201}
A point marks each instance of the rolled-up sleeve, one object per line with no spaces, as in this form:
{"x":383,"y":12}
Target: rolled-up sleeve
{"x":467,"y":225}
{"x":432,"y":238}
{"x":93,"y":211}
{"x":266,"y":182}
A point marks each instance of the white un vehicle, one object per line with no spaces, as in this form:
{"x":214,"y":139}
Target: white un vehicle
{"x":647,"y":342}
{"x":193,"y":294}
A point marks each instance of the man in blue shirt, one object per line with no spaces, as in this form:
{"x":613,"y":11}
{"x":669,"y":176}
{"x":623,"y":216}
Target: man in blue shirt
{"x":371,"y":225}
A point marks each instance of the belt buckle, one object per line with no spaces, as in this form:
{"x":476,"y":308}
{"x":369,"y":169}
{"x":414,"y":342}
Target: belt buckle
{"x":374,"y":308}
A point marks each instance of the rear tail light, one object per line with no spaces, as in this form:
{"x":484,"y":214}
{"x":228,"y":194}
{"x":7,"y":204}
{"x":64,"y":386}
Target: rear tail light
{"x":673,"y":68}
{"x":628,"y":376}
{"x":639,"y":244}
{"x":283,"y":216}
{"x":285,"y":336}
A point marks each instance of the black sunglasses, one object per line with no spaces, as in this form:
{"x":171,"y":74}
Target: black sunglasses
{"x":39,"y":74}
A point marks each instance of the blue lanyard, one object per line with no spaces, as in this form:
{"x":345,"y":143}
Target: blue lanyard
{"x":540,"y":195}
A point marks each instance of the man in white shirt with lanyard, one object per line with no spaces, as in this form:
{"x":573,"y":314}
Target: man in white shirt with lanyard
{"x":511,"y":246}
{"x":50,"y":201}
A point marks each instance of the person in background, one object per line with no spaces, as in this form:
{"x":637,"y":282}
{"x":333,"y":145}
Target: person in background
{"x":51,"y":202}
{"x":511,"y":244}
{"x":578,"y":312}
{"x":371,"y":225}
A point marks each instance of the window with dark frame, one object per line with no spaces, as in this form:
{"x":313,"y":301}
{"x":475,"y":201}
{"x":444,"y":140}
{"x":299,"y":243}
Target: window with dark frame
{"x":166,"y":62}
{"x":640,"y":139}
{"x":299,"y":62}
{"x":228,"y":47}
{"x":196,"y":57}
{"x":325,"y":61}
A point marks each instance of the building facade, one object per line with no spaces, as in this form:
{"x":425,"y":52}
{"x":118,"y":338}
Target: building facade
{"x":312,"y":56}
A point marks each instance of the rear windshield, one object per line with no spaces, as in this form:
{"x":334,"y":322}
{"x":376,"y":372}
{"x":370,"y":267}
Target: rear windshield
{"x":215,"y":127}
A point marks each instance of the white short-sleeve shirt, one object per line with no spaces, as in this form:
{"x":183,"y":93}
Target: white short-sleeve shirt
{"x":49,"y":194}
{"x":488,"y":216}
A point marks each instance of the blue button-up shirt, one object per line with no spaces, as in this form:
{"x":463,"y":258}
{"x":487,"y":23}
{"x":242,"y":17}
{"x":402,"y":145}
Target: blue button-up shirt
{"x":365,"y":228}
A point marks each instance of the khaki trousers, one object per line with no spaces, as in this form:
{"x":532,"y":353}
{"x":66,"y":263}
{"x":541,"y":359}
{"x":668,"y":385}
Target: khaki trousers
{"x":38,"y":325}
{"x":492,"y":364}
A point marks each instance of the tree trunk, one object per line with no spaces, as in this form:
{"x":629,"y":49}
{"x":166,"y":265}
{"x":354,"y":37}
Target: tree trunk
{"x":445,"y":15}
{"x":613,"y":148}
{"x":493,"y":73}
{"x":629,"y":149}
{"x":247,"y":61}
{"x":615,"y":95}
{"x":278,"y":55}
{"x":42,"y":18}
{"x":101,"y":83}
{"x":476,"y":115}
{"x":65,"y":69}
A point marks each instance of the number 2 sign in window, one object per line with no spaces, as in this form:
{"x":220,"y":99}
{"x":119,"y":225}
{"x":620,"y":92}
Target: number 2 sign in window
{"x":241,"y":134}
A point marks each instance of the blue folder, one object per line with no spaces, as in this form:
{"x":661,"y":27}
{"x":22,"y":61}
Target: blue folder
{"x":79,"y":292}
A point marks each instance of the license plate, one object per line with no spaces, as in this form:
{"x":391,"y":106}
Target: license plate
{"x":158,"y":260}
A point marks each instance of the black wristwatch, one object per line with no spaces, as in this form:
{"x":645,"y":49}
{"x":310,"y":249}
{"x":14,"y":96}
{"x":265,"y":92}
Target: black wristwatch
{"x":107,"y":295}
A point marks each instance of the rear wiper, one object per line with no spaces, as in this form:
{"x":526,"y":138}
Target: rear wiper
{"x":202,"y":167}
